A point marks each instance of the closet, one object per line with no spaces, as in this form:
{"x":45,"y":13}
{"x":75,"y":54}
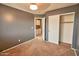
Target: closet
{"x":60,"y":28}
{"x":66,"y":28}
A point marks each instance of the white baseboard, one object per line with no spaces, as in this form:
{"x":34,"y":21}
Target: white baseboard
{"x":74,"y":51}
{"x":17,"y":45}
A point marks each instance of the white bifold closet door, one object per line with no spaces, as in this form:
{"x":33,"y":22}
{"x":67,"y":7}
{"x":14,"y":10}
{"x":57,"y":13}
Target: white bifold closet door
{"x":53,"y":28}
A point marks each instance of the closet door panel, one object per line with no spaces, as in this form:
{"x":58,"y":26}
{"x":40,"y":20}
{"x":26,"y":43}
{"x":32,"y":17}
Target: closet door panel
{"x":53,"y":28}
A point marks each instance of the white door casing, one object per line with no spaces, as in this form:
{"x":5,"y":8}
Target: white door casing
{"x":43,"y":28}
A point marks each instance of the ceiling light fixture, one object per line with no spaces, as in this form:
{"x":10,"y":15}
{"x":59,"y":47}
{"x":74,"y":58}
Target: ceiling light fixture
{"x":33,"y":7}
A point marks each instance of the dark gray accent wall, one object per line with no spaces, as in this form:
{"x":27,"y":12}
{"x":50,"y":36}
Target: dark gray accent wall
{"x":20,"y":28}
{"x":74,"y":8}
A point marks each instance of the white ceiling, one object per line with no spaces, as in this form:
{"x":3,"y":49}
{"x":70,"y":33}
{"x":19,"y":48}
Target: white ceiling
{"x":43,"y":7}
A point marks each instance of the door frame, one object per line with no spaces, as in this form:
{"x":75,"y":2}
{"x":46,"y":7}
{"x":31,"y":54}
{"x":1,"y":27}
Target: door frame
{"x":43,"y":28}
{"x":43,"y":36}
{"x":72,"y":25}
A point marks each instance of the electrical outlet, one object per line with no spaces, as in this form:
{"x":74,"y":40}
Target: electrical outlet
{"x":19,"y":40}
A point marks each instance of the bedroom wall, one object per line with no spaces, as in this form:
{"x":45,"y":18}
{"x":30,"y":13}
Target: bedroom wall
{"x":15,"y":25}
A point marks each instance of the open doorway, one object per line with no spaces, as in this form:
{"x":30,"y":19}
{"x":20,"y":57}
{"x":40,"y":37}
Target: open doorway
{"x":40,"y":28}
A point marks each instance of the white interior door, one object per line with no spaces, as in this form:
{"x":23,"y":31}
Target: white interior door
{"x":53,"y":29}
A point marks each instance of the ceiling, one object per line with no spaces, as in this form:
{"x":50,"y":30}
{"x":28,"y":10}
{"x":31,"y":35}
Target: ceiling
{"x":42,"y":7}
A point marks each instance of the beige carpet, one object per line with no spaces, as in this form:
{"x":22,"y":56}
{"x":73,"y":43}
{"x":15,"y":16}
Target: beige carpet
{"x":37,"y":47}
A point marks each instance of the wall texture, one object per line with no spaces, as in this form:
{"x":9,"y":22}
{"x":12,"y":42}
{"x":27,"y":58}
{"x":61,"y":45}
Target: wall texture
{"x":15,"y":25}
{"x":74,"y":8}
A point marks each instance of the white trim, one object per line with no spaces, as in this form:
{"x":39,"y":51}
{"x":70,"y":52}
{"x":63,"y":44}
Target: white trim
{"x":43,"y":28}
{"x":34,"y":28}
{"x":17,"y":45}
{"x":73,"y":28}
{"x":64,"y":13}
{"x":67,"y":13}
{"x":73,"y":19}
{"x":74,"y":51}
